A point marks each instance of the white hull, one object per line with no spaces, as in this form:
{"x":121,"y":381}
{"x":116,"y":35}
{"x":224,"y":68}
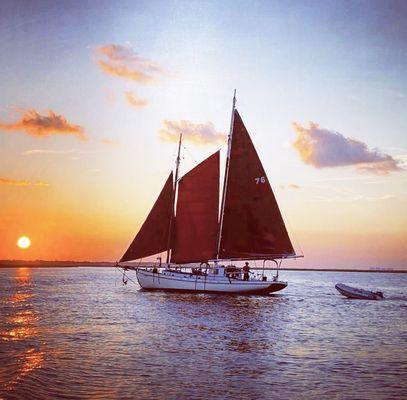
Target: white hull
{"x":182,"y":281}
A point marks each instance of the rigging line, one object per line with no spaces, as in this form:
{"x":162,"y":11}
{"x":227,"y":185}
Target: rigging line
{"x":287,"y":222}
{"x":190,"y":154}
{"x":124,"y":274}
{"x":291,"y":231}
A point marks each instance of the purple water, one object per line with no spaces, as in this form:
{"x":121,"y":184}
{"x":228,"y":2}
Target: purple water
{"x":77,"y":333}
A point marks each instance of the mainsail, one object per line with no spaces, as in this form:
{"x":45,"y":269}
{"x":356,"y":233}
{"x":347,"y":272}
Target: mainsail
{"x":252,"y":226}
{"x":196,"y":222}
{"x":153,"y":235}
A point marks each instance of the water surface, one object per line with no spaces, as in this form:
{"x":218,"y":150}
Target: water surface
{"x":77,"y":333}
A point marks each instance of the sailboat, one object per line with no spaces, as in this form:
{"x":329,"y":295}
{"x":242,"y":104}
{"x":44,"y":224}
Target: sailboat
{"x":188,"y":223}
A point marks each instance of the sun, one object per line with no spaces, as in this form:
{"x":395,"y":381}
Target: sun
{"x":24,"y":242}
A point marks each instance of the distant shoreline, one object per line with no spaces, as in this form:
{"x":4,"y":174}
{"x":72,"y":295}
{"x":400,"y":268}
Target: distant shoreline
{"x":76,"y":264}
{"x":387,"y":271}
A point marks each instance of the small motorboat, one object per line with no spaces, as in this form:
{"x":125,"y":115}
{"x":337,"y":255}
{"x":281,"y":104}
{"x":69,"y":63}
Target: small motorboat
{"x":355,"y":293}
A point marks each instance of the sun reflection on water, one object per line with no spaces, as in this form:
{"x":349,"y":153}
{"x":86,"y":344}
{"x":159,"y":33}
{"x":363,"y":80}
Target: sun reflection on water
{"x":23,"y":276}
{"x":20,"y":297}
{"x":19,"y":328}
{"x":31,"y":360}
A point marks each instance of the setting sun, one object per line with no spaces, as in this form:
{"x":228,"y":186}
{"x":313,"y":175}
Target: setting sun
{"x":24,"y":242}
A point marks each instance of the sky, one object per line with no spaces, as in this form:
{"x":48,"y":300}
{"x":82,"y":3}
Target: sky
{"x":94,"y":94}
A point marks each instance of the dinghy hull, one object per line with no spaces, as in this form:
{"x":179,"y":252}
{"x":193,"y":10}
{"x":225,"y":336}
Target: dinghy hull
{"x":355,"y":293}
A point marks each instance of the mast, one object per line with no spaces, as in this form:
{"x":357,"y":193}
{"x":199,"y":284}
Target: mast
{"x":225,"y":180}
{"x":177,"y":162}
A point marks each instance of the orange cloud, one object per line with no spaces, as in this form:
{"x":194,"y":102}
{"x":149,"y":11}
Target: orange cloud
{"x":110,"y":142}
{"x":34,"y":124}
{"x":324,"y":148}
{"x":13,"y":182}
{"x":201,"y":134}
{"x":125,"y":63}
{"x":290,"y":186}
{"x":134,"y":101}
{"x":34,"y":152}
{"x":47,"y":151}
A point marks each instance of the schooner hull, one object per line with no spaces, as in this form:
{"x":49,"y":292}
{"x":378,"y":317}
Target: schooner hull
{"x":184,"y":282}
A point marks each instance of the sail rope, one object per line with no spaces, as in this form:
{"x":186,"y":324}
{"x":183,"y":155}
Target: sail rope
{"x":190,"y":154}
{"x":125,"y":277}
{"x":292,"y":231}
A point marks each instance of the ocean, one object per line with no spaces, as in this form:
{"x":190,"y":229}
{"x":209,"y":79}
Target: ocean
{"x":78,"y":333}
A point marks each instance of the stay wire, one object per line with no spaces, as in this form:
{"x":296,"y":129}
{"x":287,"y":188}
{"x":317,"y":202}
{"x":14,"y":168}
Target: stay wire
{"x":125,"y":275}
{"x":190,"y":154}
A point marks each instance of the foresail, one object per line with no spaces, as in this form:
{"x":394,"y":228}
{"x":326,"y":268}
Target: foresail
{"x":253,"y":227}
{"x":196,"y":222}
{"x":152,"y":238}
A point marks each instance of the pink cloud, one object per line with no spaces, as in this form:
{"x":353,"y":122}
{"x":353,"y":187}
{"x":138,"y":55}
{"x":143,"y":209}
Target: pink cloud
{"x":125,"y":63}
{"x":201,"y":134}
{"x":323,"y":148}
{"x":134,"y":101}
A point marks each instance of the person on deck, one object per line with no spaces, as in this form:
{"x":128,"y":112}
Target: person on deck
{"x":246,"y":271}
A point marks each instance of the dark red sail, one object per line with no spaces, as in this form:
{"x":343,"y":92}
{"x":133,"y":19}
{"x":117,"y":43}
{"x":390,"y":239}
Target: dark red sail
{"x":253,"y":227}
{"x":152,"y":238}
{"x":196,"y":222}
